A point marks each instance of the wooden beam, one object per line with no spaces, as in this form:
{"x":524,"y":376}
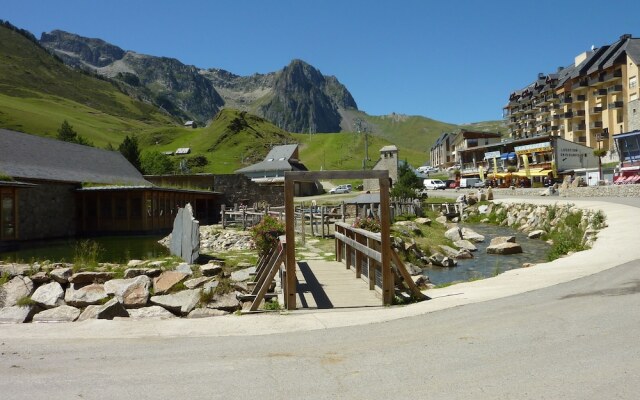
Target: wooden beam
{"x":267,"y":282}
{"x":413,"y":288}
{"x":310,"y":176}
{"x":362,"y":248}
{"x":290,"y":244}
{"x":385,"y":241}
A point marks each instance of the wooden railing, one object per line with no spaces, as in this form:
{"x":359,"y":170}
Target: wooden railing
{"x":361,"y":251}
{"x":268,"y":266}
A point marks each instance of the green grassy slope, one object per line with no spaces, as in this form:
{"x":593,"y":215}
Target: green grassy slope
{"x":233,"y":140}
{"x":38,"y":92}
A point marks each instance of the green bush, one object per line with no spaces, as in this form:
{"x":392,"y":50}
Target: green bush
{"x":86,"y":255}
{"x":266,"y":233}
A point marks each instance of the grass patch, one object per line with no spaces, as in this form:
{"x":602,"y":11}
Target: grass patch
{"x":4,"y":278}
{"x":25,"y":301}
{"x":86,"y":256}
{"x":272,"y":305}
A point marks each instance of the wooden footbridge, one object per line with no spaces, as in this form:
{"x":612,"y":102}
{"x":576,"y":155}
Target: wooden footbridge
{"x":364,"y":273}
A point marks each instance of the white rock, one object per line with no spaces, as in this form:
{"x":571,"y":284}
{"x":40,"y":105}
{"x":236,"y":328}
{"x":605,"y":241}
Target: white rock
{"x":49,"y":295}
{"x":154,"y":312}
{"x":181,"y":303}
{"x":14,"y":290}
{"x":64,"y":313}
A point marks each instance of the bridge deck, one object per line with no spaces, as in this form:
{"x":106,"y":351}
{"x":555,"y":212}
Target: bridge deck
{"x":328,"y":284}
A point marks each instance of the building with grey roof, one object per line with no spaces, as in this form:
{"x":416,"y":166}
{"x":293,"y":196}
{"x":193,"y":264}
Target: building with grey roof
{"x":585,"y":102}
{"x":271,"y":170}
{"x":51,"y":189}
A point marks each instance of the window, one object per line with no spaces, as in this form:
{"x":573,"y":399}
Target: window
{"x":633,"y":96}
{"x":8,"y":215}
{"x":633,"y":82}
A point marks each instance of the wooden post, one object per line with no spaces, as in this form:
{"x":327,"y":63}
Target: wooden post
{"x":385,"y":238}
{"x":244,"y":218}
{"x":311,"y":220}
{"x":290,"y":245}
{"x":343,"y":211}
{"x":222,"y":211}
{"x":322,"y":221}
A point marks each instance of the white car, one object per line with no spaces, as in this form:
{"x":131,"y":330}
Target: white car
{"x":341,"y":189}
{"x":425,"y":169}
{"x":433,"y":184}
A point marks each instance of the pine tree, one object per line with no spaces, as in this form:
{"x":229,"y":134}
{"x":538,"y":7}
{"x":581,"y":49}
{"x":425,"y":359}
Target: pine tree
{"x":66,"y":133}
{"x":130,"y":150}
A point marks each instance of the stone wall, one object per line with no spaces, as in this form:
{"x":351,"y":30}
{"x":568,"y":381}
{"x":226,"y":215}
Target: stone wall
{"x":46,"y":211}
{"x":233,"y":187}
{"x":238,"y":188}
{"x":589,"y":191}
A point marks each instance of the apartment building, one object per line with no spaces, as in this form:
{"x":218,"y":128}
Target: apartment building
{"x":586,"y":102}
{"x":440,"y":153}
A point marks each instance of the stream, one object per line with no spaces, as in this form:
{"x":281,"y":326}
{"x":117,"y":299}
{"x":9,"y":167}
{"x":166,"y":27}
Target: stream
{"x":485,"y":265}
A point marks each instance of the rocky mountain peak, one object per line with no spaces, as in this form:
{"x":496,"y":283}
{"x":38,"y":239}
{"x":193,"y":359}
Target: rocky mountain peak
{"x":95,"y":52}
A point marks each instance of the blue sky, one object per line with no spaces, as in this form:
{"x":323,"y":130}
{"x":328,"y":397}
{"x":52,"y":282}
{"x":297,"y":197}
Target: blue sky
{"x":454,"y":61}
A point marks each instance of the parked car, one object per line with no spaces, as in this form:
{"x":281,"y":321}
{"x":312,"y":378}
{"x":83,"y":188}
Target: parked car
{"x":433,"y":184}
{"x":454,"y":167}
{"x":426,"y":169}
{"x":450,"y":184}
{"x":479,"y":184}
{"x":341,"y":189}
{"x":469,"y":182}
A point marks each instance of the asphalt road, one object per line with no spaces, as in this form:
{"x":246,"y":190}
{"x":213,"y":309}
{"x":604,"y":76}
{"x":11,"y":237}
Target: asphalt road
{"x":577,"y":340}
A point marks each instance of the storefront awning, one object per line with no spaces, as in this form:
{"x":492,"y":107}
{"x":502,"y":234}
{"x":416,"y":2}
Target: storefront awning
{"x":508,"y":156}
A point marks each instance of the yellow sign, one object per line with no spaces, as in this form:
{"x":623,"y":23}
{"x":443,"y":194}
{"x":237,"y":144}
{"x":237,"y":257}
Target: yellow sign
{"x":481,"y":172}
{"x":525,"y":160}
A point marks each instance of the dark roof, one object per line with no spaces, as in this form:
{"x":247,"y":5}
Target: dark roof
{"x":28,"y":156}
{"x":280,"y":158}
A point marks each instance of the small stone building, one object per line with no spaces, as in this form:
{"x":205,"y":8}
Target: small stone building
{"x":388,"y":161}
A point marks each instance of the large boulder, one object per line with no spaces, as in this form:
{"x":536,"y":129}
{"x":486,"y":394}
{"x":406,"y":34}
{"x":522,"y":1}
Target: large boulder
{"x":471,"y":235}
{"x":210,"y":269}
{"x":85,"y":296}
{"x":423,"y":221}
{"x":505,"y":248}
{"x":465,"y":244}
{"x":64,"y":313}
{"x":167,"y":280}
{"x":16,"y":314}
{"x":153,"y":312}
{"x":449,"y":251}
{"x":82,"y":278}
{"x":132,"y":292}
{"x":150,"y":272}
{"x":536,"y":234}
{"x":179,"y":303}
{"x":502,"y":239}
{"x":14,"y":290}
{"x":49,"y":295}
{"x":454,"y":234}
{"x":243,"y":274}
{"x":226,"y":302}
{"x":441,"y":261}
{"x":197,"y":282}
{"x":61,"y":275}
{"x":108,"y":310}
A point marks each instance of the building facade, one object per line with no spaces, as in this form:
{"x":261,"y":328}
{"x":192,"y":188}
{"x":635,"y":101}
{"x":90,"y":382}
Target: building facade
{"x":586,"y":102}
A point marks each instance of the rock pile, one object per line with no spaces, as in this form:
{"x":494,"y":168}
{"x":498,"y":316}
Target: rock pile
{"x":55,"y":293}
{"x":214,"y":239}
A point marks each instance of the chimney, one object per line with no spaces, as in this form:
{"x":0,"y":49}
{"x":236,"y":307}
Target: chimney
{"x":625,"y":36}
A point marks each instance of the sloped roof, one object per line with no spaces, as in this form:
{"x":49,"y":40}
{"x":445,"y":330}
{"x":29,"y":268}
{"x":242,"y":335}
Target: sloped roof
{"x":280,"y":158}
{"x":28,"y":156}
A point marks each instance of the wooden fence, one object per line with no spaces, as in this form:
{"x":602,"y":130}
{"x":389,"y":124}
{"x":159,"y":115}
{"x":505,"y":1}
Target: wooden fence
{"x":361,"y":251}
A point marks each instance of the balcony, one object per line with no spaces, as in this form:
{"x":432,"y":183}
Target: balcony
{"x":581,"y":84}
{"x":614,"y":89}
{"x":568,"y":114}
{"x":578,"y":114}
{"x":566,"y":100}
{"x":581,"y":97}
{"x":595,"y":110}
{"x":581,"y":139}
{"x":556,"y":127}
{"x":579,"y":127}
{"x":596,"y":80}
{"x":599,"y":92}
{"x":595,"y":125}
{"x":612,"y":76}
{"x":616,"y":104}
